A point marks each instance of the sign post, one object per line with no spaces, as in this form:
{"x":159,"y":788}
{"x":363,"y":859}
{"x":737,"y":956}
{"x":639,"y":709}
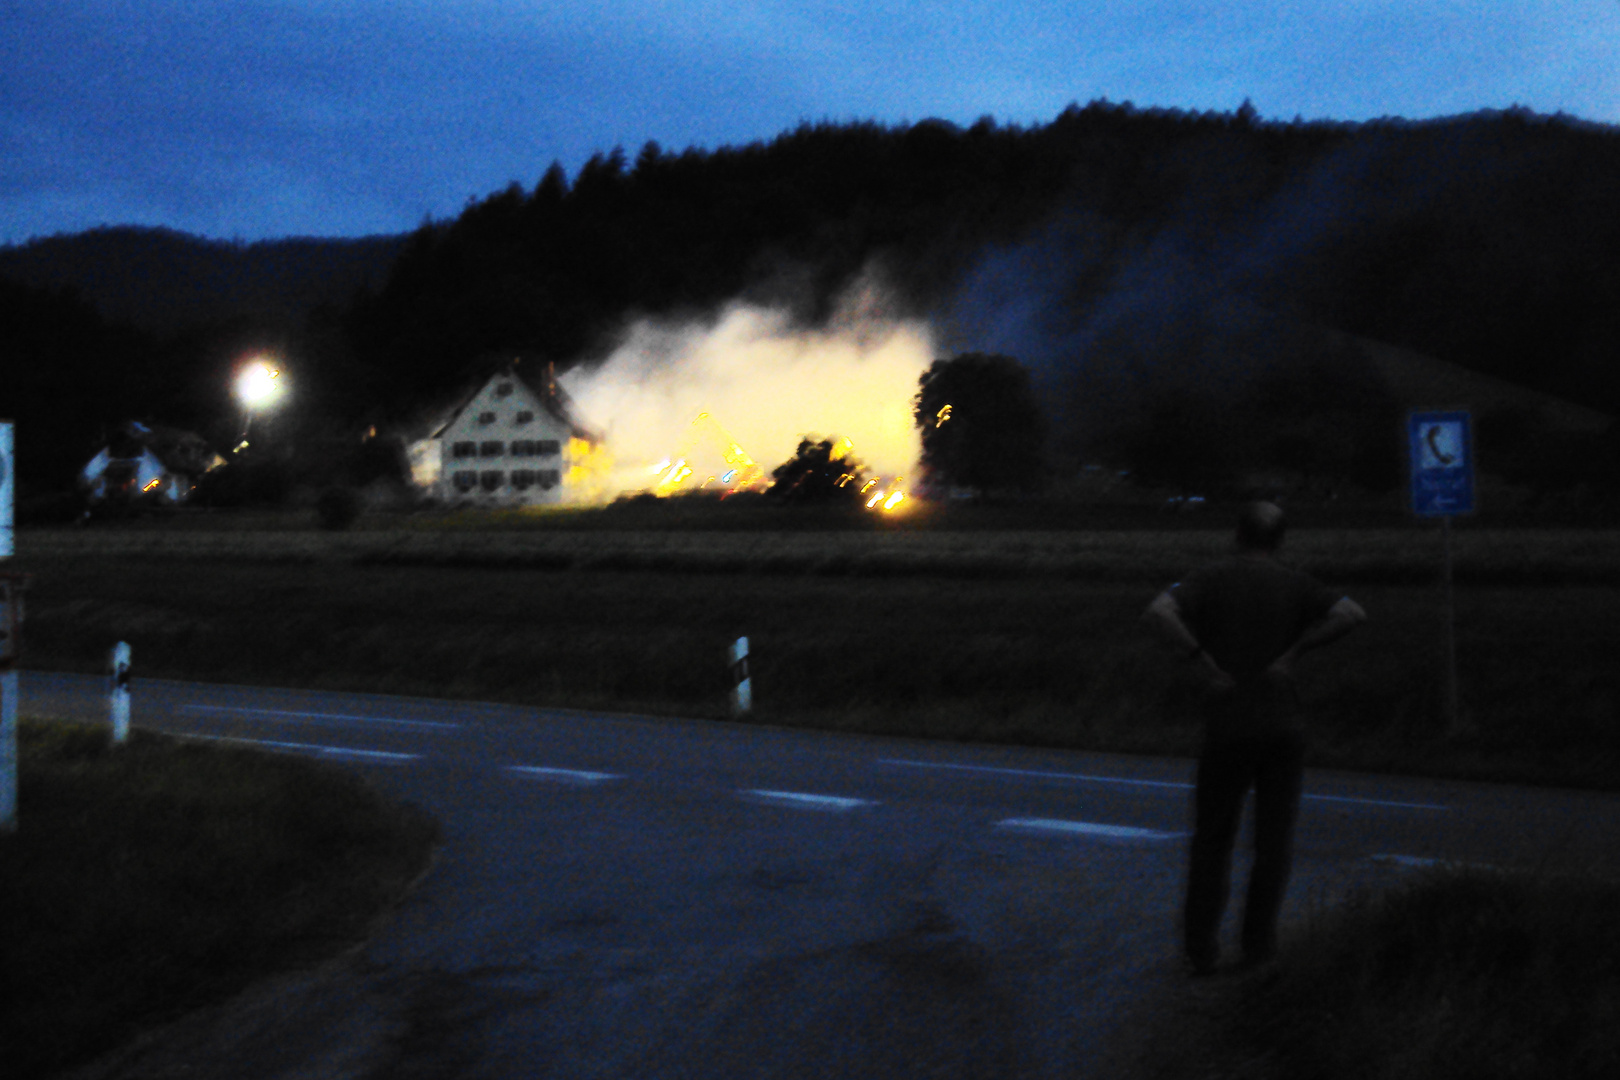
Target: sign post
{"x":1441,"y":457}
{"x":10,"y":620}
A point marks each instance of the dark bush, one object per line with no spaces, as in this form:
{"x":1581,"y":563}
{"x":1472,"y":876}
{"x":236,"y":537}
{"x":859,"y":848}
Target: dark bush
{"x":337,"y":507}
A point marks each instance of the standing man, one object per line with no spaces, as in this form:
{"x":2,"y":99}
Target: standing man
{"x":1243,"y":622}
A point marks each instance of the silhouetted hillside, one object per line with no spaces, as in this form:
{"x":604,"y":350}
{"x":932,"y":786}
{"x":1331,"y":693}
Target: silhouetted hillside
{"x":1174,"y":245}
{"x":160,"y":279}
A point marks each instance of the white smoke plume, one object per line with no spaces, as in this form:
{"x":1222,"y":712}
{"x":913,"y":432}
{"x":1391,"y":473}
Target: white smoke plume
{"x":765,"y":380}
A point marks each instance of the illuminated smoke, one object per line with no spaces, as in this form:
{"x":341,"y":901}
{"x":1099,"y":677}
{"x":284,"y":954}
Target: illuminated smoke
{"x":764,"y":380}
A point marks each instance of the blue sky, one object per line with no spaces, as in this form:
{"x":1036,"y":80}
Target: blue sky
{"x":264,"y":118}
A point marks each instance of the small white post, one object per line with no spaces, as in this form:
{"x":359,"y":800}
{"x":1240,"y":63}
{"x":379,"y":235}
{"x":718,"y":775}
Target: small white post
{"x":8,"y":751}
{"x":118,"y":693}
{"x":742,"y":687}
{"x":10,"y":621}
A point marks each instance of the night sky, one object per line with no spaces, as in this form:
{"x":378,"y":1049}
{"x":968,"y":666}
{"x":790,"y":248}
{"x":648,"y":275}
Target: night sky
{"x":253,"y":119}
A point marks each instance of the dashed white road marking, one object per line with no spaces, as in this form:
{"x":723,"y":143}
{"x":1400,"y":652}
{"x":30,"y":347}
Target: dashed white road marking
{"x":1378,"y":802}
{"x":1091,"y":778}
{"x":1419,"y":862}
{"x":562,"y":776}
{"x":386,"y":757}
{"x":1082,"y":777}
{"x":289,"y":714}
{"x":801,"y":801}
{"x":1087,"y":828}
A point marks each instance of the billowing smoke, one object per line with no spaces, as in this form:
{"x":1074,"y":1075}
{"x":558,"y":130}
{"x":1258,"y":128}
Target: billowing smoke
{"x":765,"y":380}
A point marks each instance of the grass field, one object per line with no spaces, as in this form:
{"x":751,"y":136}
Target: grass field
{"x":1024,"y":636}
{"x":1456,"y":975}
{"x":158,"y":876}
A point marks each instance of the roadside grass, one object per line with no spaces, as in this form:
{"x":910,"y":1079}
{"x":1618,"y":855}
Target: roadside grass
{"x":1035,"y":659}
{"x":1457,"y":974}
{"x":148,"y":879}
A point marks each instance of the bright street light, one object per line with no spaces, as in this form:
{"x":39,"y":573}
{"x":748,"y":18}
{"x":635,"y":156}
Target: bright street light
{"x":259,"y":386}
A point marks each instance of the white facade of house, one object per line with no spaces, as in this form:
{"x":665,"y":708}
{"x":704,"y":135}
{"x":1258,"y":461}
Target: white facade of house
{"x":504,"y":447}
{"x":159,"y":465}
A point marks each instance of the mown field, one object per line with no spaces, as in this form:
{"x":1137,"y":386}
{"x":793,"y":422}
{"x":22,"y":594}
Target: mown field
{"x":1015,"y":635}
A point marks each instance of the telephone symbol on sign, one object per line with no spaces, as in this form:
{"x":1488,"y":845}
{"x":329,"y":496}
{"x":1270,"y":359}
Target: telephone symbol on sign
{"x":1439,"y":455}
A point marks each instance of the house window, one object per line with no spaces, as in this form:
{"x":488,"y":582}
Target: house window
{"x":547,"y":446}
{"x":464,"y":449}
{"x":491,"y":448}
{"x":522,"y":479}
{"x":522,"y":447}
{"x":503,"y":389}
{"x":465,"y":480}
{"x":547,"y":478}
{"x":491,"y":479}
{"x":523,"y":417}
{"x":486,"y":418}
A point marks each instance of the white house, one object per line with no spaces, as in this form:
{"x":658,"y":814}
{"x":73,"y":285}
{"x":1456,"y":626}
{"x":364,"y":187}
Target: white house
{"x":156,"y":464}
{"x":510,"y":444}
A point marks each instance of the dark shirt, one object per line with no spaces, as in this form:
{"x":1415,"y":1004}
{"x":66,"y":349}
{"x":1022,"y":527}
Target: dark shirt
{"x":1246,"y":611}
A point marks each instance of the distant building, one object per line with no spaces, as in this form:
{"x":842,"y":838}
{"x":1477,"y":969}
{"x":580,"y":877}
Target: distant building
{"x":509,"y":444}
{"x":149,"y":463}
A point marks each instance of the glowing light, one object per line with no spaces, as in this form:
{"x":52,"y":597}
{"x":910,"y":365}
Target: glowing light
{"x":259,"y":386}
{"x":705,"y":440}
{"x":943,"y":415}
{"x":874,"y":500}
{"x":589,"y":467}
{"x":767,"y":379}
{"x":894,"y":500}
{"x":152,"y":485}
{"x":868,"y":486}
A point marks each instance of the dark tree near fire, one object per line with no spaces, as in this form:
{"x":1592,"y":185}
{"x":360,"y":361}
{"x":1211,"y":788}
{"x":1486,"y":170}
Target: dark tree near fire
{"x":981,"y":425}
{"x":819,"y":472}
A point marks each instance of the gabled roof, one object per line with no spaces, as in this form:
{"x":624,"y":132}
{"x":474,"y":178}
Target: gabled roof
{"x":548,"y":395}
{"x":177,"y":450}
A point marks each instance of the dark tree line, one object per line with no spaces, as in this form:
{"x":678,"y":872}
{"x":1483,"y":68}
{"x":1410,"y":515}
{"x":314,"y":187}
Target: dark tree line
{"x":1143,"y":265}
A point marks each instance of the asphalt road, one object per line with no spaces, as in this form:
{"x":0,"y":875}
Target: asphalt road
{"x":637,"y":897}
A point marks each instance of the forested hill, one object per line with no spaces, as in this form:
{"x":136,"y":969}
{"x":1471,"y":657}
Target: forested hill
{"x":1176,"y":281}
{"x":161,"y":280}
{"x":1110,"y":239}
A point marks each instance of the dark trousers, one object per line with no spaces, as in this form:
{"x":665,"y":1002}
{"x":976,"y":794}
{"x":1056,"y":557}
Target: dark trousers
{"x":1273,"y":766}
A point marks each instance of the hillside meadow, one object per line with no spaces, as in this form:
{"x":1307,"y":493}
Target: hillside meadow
{"x":1015,"y":636}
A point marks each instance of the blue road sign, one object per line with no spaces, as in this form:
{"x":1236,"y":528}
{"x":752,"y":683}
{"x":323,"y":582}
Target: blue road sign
{"x":1441,"y":456}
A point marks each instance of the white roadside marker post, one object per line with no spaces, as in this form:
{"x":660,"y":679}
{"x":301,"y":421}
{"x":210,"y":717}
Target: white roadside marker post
{"x":10,"y":622}
{"x":118,"y":693}
{"x":742,"y":687}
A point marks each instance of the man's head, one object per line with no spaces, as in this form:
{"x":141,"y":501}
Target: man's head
{"x":1261,"y":527}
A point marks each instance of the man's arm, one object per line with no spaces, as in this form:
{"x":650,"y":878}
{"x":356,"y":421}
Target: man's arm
{"x":1164,"y":617}
{"x":1344,"y":616}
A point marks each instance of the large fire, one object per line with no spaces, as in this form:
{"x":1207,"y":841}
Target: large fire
{"x":709,"y":459}
{"x":658,"y":397}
